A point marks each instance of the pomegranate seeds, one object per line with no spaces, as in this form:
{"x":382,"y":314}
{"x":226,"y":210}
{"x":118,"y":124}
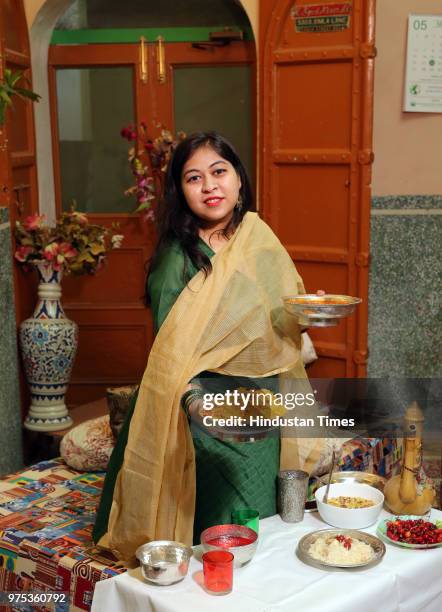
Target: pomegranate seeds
{"x":414,"y":531}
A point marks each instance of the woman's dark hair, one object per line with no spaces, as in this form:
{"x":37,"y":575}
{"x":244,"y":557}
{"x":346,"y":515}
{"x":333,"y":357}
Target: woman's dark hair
{"x":176,"y":221}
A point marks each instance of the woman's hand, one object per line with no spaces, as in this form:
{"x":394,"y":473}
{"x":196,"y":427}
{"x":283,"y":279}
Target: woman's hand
{"x":320,"y":292}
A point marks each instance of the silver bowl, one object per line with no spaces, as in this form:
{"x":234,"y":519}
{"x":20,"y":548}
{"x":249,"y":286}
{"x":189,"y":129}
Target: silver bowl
{"x":164,"y":561}
{"x":373,"y":480}
{"x":316,"y":310}
{"x":224,"y":534}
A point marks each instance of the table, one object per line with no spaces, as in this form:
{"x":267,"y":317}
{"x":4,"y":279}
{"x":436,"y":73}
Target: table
{"x":277,"y":581}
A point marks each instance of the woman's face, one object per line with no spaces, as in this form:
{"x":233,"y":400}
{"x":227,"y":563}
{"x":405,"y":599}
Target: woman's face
{"x":211,"y":187}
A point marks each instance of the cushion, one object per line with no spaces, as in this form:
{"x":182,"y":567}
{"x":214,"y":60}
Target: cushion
{"x":88,"y":446}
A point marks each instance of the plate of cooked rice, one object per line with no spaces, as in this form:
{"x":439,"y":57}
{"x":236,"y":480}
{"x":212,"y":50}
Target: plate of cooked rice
{"x":343,"y":548}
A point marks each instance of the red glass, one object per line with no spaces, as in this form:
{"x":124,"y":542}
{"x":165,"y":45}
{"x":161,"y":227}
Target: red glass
{"x":218,"y":571}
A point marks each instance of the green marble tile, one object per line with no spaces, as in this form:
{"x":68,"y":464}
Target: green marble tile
{"x":3,"y":214}
{"x":10,"y":430}
{"x":398,"y":202}
{"x":405,"y":322}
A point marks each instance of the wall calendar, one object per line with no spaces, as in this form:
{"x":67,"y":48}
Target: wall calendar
{"x":423,"y":76}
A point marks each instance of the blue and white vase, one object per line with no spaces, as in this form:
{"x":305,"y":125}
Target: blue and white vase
{"x":48,"y":342}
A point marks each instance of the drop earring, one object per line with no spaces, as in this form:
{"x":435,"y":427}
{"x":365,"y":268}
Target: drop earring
{"x":238,"y":204}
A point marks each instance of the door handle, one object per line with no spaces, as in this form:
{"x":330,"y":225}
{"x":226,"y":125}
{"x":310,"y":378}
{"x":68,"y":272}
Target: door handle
{"x":143,"y":61}
{"x":161,"y":60}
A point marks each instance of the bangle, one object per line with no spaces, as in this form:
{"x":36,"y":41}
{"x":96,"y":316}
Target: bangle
{"x":188,"y":397}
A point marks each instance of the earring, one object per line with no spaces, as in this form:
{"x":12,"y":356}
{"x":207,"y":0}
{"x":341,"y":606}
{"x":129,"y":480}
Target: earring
{"x":238,"y":204}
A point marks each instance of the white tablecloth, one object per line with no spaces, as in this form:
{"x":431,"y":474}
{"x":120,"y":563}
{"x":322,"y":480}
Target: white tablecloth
{"x":277,"y":581}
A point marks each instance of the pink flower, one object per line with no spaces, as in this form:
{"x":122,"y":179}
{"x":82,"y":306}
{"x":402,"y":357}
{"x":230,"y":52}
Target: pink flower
{"x":150,"y":215}
{"x":34,"y":222}
{"x":67,"y":250}
{"x":22,"y":253}
{"x":51,"y":251}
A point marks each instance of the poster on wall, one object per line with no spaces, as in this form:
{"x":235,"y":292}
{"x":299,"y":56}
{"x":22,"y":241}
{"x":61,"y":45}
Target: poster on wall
{"x":423,"y":76}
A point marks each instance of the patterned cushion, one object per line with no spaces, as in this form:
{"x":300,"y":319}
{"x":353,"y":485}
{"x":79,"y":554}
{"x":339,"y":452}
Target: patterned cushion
{"x":88,"y":446}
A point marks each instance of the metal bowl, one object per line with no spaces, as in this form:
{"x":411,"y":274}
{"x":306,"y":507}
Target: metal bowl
{"x":373,"y":480}
{"x":316,"y":310}
{"x":225,"y":534}
{"x":304,"y":544}
{"x":164,"y":561}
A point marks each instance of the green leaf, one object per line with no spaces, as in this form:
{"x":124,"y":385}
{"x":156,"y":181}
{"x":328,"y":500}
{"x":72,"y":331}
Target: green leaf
{"x":26,"y":93}
{"x":5,"y":98}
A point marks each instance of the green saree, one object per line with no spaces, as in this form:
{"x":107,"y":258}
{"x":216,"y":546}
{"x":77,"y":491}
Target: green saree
{"x":229,"y":475}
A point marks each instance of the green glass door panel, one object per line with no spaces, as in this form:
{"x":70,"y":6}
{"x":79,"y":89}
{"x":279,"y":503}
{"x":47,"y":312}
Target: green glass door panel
{"x":217,"y":98}
{"x":93,"y":105}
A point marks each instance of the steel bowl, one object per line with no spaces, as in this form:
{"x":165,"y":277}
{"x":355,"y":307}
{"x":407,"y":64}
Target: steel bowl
{"x":164,"y":562}
{"x":316,"y":310}
{"x":372,"y":480}
{"x":224,"y":534}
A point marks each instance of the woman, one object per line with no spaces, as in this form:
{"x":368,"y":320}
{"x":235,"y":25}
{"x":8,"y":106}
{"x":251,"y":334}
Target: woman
{"x":215,"y":286}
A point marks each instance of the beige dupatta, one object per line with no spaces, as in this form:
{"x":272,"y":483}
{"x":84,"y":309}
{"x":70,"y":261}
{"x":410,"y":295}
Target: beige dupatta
{"x":233,"y":323}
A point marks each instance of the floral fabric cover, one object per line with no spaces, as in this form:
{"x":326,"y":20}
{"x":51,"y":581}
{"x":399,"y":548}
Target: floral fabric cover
{"x":47,"y":513}
{"x":88,"y":446}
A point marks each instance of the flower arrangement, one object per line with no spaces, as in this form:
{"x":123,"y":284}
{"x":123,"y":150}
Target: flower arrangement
{"x":73,"y":245}
{"x":148,"y":164}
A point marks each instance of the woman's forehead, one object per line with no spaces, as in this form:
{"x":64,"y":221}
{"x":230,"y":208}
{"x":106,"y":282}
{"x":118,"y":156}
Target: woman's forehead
{"x":203,"y":158}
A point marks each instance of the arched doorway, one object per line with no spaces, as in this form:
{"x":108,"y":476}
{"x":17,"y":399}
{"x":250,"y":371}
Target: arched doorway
{"x":101,"y":78}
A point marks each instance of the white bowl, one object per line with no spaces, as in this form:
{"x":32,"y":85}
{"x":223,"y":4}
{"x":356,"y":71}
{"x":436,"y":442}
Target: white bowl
{"x":350,"y":518}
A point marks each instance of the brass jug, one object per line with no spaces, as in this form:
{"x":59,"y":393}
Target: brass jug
{"x":410,"y":492}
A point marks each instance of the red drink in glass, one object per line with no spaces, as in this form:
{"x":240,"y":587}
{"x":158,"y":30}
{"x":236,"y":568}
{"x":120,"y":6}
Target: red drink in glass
{"x":218,"y":571}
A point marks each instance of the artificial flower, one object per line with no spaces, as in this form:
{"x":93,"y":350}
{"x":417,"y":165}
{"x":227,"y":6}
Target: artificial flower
{"x":73,"y":245}
{"x":148,"y":165}
{"x":117,"y":240}
{"x":21,"y":254}
{"x":33,"y":222}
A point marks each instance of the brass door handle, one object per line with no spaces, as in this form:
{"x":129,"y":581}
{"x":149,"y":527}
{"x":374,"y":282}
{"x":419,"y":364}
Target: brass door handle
{"x":161,"y":60}
{"x":143,"y":61}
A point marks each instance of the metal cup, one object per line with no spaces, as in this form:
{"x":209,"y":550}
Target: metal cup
{"x":292,"y":493}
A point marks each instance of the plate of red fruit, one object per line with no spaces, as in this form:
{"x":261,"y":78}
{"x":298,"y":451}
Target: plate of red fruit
{"x":411,"y":531}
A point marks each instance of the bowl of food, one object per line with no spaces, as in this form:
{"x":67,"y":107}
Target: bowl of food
{"x":164,"y":562}
{"x":240,"y":540}
{"x":315,"y":310}
{"x":346,"y":548}
{"x":350,"y":505}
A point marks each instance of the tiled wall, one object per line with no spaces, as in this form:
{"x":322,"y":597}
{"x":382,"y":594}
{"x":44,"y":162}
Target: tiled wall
{"x":10,"y":420}
{"x":405,"y":322}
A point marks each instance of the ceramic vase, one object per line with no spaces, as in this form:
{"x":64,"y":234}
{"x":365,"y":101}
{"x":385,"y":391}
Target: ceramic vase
{"x":48,"y":342}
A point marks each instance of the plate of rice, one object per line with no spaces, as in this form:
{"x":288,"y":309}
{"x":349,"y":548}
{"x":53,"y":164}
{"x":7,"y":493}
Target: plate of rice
{"x":344,"y":548}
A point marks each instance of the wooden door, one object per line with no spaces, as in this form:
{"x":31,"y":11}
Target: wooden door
{"x":115,"y":327}
{"x":18,"y":177}
{"x":317,"y":91}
